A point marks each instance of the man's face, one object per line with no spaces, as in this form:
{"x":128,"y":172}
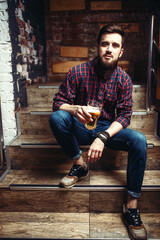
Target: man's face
{"x":110,"y":50}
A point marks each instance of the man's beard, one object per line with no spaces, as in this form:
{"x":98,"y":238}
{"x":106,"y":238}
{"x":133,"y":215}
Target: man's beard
{"x":105,"y":66}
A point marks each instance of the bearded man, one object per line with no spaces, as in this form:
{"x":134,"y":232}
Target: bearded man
{"x":102,"y":80}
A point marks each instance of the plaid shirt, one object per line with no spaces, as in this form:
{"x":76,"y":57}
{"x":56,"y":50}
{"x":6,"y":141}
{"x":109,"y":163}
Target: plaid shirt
{"x":83,"y":83}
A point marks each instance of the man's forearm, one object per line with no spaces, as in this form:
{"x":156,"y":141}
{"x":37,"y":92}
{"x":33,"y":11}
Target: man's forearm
{"x":72,"y":109}
{"x":114,"y":128}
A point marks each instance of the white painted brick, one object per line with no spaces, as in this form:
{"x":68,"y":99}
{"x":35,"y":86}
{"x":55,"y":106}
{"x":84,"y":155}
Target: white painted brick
{"x":7,"y":96}
{"x":5,"y":77}
{"x":3,"y":16}
{"x":5,"y":68}
{"x":4,"y":5}
{"x":6,"y":57}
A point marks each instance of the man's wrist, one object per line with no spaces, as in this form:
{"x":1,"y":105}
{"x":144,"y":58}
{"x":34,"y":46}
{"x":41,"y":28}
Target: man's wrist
{"x":104,"y":136}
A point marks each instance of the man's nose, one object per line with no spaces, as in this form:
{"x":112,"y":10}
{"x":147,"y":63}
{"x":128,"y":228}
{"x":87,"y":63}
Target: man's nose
{"x":109,"y":48}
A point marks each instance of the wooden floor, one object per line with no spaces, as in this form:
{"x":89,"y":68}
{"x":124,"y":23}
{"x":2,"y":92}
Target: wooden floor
{"x":74,"y":225}
{"x":71,"y":225}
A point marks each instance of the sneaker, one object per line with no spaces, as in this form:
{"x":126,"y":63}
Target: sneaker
{"x":76,"y":173}
{"x":134,"y":224}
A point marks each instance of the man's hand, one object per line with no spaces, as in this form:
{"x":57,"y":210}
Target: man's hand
{"x":82,"y":114}
{"x":95,"y":151}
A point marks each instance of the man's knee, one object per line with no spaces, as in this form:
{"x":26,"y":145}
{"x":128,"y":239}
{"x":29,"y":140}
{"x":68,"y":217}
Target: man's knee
{"x":58,"y":117}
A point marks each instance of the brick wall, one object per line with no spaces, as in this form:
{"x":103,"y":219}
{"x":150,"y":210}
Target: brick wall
{"x":22,"y":56}
{"x":28,"y":41}
{"x":6,"y":79}
{"x":80,"y":28}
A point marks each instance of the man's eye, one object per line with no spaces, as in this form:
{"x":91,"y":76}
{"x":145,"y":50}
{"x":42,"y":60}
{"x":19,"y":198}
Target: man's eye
{"x":115,"y":45}
{"x":104,"y":44}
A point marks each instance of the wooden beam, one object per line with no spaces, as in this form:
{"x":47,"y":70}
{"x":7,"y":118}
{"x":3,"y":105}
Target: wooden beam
{"x":124,"y":65}
{"x":63,"y":67}
{"x":71,"y":51}
{"x":127,"y":27}
{"x":66,"y":5}
{"x":102,"y":5}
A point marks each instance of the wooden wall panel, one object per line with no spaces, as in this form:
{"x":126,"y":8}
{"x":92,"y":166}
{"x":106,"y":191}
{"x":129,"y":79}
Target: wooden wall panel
{"x":66,"y":5}
{"x":63,"y":67}
{"x":74,"y":51}
{"x":127,"y":27}
{"x":110,"y":5}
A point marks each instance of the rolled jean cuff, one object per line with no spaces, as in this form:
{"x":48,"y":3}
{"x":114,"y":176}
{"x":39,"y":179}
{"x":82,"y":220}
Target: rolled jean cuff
{"x":78,"y":155}
{"x":134,"y":194}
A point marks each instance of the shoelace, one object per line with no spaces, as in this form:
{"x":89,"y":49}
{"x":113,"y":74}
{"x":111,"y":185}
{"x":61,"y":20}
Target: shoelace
{"x":73,"y":169}
{"x":136,"y":218}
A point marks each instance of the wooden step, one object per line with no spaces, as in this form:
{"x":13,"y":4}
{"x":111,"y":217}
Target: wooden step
{"x":21,"y":193}
{"x":41,"y":95}
{"x":72,"y":225}
{"x":42,"y":152}
{"x":36,"y":121}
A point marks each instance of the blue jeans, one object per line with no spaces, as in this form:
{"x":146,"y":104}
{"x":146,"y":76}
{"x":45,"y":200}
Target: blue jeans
{"x":70,"y":133}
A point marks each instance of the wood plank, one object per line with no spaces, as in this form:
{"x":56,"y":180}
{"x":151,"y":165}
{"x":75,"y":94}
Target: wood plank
{"x":124,"y":64}
{"x":103,"y":5}
{"x":66,"y":5}
{"x":105,"y":202}
{"x":127,"y":27}
{"x":119,"y":178}
{"x":38,"y":123}
{"x":44,"y":201}
{"x":44,"y":225}
{"x":111,"y":226}
{"x":96,"y":177}
{"x":63,"y":67}
{"x":71,"y":51}
{"x":40,"y":177}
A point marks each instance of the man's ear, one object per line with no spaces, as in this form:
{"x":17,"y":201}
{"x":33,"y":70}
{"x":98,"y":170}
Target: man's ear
{"x":121,"y":53}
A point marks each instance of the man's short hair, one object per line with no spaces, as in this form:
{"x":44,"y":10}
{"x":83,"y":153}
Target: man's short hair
{"x":111,"y":28}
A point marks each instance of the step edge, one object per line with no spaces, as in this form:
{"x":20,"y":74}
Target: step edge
{"x":92,"y":188}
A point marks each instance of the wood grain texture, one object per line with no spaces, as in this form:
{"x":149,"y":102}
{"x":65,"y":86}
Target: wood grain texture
{"x":38,"y":124}
{"x":66,"y":5}
{"x":109,"y":5}
{"x":111,"y":202}
{"x":44,"y":225}
{"x":47,"y":157}
{"x":76,"y":225}
{"x":105,"y":225}
{"x":72,"y":51}
{"x":44,"y":201}
{"x":64,"y":67}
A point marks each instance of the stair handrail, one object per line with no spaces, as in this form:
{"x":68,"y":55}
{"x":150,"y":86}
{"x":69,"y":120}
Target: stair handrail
{"x":151,"y":70}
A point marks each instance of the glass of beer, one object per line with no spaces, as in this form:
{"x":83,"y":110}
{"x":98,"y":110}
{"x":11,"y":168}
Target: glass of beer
{"x":94,"y":108}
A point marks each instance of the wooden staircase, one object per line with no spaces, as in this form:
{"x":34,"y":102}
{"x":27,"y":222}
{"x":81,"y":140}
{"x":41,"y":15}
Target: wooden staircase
{"x":33,"y":206}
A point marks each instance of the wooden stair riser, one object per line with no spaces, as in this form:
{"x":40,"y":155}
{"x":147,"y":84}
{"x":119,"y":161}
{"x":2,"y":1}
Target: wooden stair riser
{"x":73,"y":201}
{"x":40,"y":97}
{"x":56,"y":159}
{"x":39,"y":124}
{"x":43,"y":97}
